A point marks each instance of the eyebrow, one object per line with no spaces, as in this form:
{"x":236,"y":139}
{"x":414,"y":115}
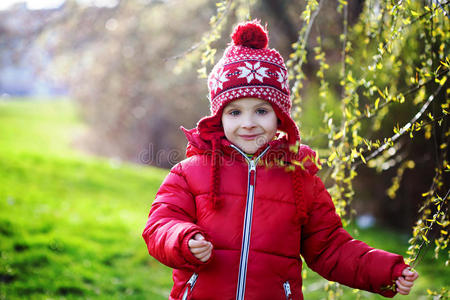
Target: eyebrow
{"x":233,"y":105}
{"x":263,"y":104}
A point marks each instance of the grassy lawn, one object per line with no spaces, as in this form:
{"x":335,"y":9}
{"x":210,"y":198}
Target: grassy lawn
{"x":70,"y":224}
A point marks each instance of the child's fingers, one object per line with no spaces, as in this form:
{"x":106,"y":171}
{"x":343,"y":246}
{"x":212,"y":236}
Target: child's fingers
{"x":198,"y":241}
{"x":403,"y":290}
{"x":204,"y":256}
{"x":413,"y":277}
{"x":199,"y":237}
{"x":409,"y":274}
{"x":404,"y":282}
{"x":201,"y":249}
{"x":197,"y":244}
{"x":404,"y":286}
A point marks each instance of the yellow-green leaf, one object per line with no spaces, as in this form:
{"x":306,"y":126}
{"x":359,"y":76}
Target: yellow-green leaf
{"x":338,"y":135}
{"x":362,"y":158}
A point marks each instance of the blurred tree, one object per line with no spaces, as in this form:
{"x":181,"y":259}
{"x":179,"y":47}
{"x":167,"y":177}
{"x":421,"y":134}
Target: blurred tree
{"x":120,"y":63}
{"x":22,"y":60}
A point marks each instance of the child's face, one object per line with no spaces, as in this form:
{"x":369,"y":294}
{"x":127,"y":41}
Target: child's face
{"x":249,"y":123}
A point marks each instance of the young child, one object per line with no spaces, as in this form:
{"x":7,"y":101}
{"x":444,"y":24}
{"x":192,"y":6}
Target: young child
{"x":234,"y":217}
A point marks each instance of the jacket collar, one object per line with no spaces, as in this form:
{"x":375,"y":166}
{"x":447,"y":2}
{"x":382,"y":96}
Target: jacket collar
{"x":201,"y":143}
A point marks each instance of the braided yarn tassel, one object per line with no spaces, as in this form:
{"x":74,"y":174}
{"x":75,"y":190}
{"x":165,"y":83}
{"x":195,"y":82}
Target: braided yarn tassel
{"x":215,"y":176}
{"x":300,"y":203}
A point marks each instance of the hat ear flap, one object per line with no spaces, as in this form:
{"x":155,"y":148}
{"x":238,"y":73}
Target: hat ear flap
{"x":287,"y":125}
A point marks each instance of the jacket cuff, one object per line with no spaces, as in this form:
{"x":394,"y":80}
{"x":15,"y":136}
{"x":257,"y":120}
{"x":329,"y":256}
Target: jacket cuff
{"x":187,"y":254}
{"x":398,"y":270}
{"x":391,"y":289}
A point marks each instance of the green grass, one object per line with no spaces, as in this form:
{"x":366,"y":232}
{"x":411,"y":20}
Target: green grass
{"x":70,"y":224}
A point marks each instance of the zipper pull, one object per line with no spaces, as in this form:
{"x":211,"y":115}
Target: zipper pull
{"x":190,"y":286}
{"x":192,"y":280}
{"x":252,"y":166}
{"x":287,"y":290}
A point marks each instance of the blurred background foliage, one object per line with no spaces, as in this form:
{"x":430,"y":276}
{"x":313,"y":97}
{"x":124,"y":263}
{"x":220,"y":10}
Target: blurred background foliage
{"x":368,"y":78}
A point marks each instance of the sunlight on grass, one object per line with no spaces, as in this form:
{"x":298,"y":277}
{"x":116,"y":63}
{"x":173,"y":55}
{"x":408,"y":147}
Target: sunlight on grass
{"x":70,"y":225}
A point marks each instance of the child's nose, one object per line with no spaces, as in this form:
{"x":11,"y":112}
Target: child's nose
{"x":248,"y":122}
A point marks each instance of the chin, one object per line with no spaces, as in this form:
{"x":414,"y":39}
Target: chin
{"x":249,"y":150}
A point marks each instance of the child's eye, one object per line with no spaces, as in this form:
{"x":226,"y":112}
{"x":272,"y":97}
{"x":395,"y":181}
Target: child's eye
{"x":261,"y":111}
{"x":234,"y":112}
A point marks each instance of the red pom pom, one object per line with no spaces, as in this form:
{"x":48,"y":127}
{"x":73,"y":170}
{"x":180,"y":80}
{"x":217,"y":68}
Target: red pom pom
{"x":250,"y":34}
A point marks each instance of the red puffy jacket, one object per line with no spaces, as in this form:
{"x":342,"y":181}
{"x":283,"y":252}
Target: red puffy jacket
{"x":265,"y":219}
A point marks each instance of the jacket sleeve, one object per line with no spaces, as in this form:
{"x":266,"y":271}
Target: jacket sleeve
{"x":171,"y":223}
{"x":330,"y":251}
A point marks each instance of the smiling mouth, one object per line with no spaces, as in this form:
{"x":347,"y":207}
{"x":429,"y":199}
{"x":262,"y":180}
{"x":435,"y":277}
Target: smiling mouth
{"x":249,"y":137}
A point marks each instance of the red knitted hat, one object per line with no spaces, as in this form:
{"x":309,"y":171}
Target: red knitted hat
{"x":249,"y":69}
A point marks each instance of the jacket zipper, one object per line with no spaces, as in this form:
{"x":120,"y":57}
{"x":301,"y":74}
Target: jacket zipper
{"x":247,"y":222}
{"x":287,"y":290}
{"x":190,"y":286}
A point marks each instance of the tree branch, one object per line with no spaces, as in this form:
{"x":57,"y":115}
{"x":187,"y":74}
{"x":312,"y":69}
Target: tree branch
{"x":203,"y":41}
{"x":404,"y":128}
{"x":410,"y":91}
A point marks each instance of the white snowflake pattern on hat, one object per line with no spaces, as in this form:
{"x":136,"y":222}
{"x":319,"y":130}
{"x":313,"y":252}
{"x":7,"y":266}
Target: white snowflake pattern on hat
{"x":283,"y":79}
{"x":253,"y":72}
{"x":218,"y":80}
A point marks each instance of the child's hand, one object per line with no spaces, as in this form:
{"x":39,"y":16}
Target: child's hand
{"x":201,"y":248}
{"x":405,"y":282}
